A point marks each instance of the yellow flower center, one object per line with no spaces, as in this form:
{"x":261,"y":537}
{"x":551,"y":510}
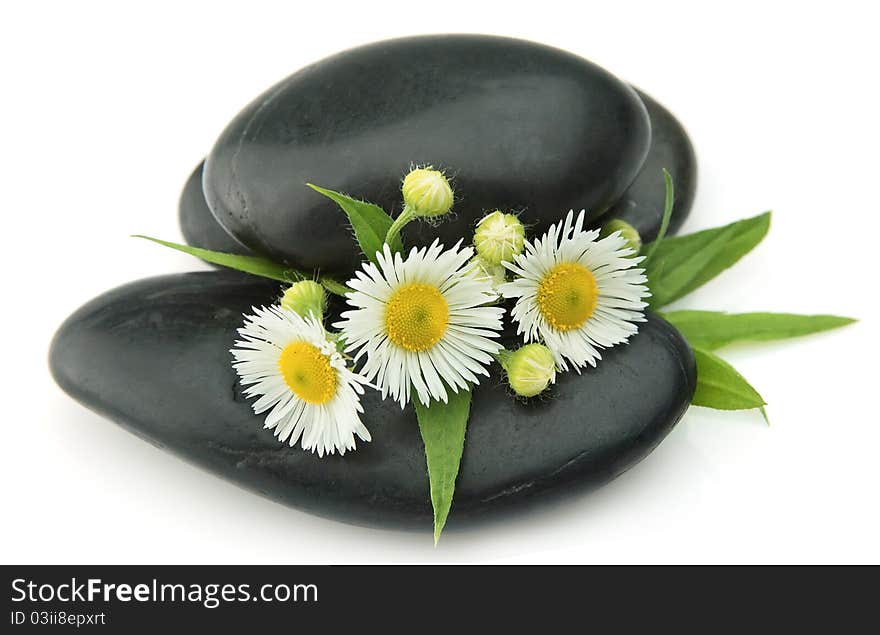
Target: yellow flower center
{"x":307,"y":372}
{"x":567,"y":296}
{"x":416,"y":317}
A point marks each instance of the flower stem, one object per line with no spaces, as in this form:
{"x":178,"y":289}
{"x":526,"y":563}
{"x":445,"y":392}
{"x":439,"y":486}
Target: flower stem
{"x":399,"y":223}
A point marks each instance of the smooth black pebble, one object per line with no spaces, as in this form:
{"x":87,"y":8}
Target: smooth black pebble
{"x":153,"y":356}
{"x":641,"y":205}
{"x":197,"y":223}
{"x":520,"y":126}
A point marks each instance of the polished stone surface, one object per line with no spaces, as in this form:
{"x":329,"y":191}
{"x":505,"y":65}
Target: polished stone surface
{"x":519,"y":126}
{"x":642,"y":203}
{"x":153,"y":356}
{"x":197,"y":223}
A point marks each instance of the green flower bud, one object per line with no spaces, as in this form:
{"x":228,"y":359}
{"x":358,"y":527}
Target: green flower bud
{"x":499,"y":237}
{"x":482,"y":270}
{"x":627,"y":232}
{"x":530,"y":369}
{"x":305,"y":297}
{"x":427,"y":193}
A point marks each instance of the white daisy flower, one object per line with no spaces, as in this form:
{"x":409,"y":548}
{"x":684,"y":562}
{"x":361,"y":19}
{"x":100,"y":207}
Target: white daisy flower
{"x":576,"y":293}
{"x":421,"y":323}
{"x":302,"y":379}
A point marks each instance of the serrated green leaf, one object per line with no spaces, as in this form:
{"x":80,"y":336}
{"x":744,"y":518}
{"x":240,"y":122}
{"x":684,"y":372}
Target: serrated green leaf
{"x":370,"y":222}
{"x":443,"y":428}
{"x":711,"y":330}
{"x":682,"y":264}
{"x":719,"y":386}
{"x":254,"y":265}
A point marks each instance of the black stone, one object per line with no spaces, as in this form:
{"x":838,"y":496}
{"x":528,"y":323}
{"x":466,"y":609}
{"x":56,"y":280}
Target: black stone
{"x":642,"y":203}
{"x":153,"y":356}
{"x":197,"y":223}
{"x":520,"y":126}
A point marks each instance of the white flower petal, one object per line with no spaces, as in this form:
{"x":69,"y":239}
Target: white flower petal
{"x":463,"y":350}
{"x":620,"y":291}
{"x":323,"y":428}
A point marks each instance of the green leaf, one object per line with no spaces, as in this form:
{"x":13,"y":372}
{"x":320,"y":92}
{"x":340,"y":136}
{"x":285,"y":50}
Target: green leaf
{"x":682,"y":264}
{"x":664,"y":222}
{"x":711,"y":330}
{"x":443,"y":427}
{"x":333,"y":286}
{"x":370,"y":222}
{"x":719,"y":386}
{"x":255,"y":265}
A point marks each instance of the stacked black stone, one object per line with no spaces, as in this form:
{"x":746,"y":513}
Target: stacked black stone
{"x":519,"y":126}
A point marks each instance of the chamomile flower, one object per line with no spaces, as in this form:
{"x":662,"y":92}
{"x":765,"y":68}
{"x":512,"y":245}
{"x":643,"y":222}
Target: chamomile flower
{"x":420,"y":323}
{"x":302,"y":380}
{"x":575,"y":293}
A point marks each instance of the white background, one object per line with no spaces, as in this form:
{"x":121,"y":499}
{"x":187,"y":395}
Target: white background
{"x":106,"y":109}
